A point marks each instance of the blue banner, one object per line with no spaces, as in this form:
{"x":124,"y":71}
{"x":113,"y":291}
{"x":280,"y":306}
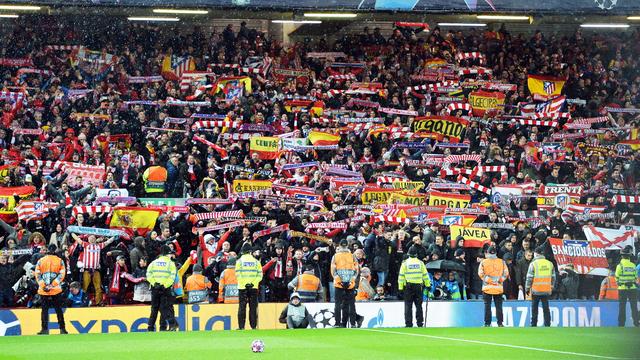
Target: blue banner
{"x":94,"y":231}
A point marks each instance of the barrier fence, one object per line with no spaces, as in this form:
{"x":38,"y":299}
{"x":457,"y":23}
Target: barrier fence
{"x":205,"y":317}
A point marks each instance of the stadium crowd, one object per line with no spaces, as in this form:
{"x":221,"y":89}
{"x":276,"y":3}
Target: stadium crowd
{"x":99,"y":128}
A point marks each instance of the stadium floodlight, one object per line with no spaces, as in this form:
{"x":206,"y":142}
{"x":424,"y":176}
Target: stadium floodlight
{"x":181,"y":11}
{"x":331,"y":15}
{"x":20,"y":7}
{"x":296,"y":21}
{"x":602,"y":26}
{"x":13,"y":16}
{"x":446,"y":24}
{"x":152,"y":18}
{"x":633,"y":17}
{"x":504,"y":17}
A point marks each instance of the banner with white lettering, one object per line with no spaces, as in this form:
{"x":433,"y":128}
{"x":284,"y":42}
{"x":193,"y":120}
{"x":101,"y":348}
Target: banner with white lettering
{"x":587,"y":258}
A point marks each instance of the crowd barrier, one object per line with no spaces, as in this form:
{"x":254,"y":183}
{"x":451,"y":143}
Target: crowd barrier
{"x":376,"y":314}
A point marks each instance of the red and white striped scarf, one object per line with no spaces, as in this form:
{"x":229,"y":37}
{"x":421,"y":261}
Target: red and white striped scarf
{"x":474,"y":184}
{"x":218,"y":215}
{"x":118,"y":272}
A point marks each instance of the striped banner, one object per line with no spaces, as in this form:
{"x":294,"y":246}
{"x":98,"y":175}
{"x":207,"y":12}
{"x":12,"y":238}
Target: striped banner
{"x":229,"y":225}
{"x":90,"y":209}
{"x":218,"y":215}
{"x":474,"y":185}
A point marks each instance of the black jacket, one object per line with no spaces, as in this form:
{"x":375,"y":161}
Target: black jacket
{"x":9,"y":273}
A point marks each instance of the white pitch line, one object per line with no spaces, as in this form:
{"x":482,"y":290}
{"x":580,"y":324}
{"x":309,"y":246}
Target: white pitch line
{"x":497,"y":344}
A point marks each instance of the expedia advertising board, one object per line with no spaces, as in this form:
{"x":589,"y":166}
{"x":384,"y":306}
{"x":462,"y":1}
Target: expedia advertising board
{"x":206,"y":317}
{"x":134,"y":318}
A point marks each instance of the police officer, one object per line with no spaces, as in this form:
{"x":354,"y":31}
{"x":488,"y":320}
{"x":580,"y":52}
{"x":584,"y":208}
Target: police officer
{"x":249,"y":275}
{"x":626,"y":278}
{"x":493,"y":272}
{"x":161,"y":275}
{"x":50,"y":272}
{"x":413,"y":275}
{"x":344,"y":270}
{"x":541,"y":278}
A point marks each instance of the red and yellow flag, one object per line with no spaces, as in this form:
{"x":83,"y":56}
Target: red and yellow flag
{"x":545,"y":87}
{"x":323,"y":138}
{"x":265,"y":146}
{"x":407,"y":197}
{"x":435,"y":63}
{"x":377,"y":195}
{"x":8,"y":202}
{"x":474,"y":237}
{"x":138,"y":219}
{"x":442,"y":126}
{"x":483,"y":101}
{"x":437,"y":198}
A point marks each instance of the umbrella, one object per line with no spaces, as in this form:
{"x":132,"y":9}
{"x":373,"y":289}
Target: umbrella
{"x":445,"y":265}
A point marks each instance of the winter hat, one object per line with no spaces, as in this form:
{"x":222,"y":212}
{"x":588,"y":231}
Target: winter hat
{"x":413,"y":251}
{"x":246,"y":248}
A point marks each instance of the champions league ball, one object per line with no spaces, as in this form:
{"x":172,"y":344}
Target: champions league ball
{"x":257,"y":346}
{"x":324,"y":319}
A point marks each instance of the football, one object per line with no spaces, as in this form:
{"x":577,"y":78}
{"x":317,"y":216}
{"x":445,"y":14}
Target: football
{"x":257,"y":346}
{"x":324,"y":319}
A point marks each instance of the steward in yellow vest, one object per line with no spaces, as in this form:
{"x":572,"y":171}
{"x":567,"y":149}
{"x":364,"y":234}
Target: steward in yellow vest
{"x":541,"y":278}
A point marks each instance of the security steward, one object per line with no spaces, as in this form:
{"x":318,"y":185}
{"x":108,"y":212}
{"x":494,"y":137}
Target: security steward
{"x":413,"y":277}
{"x":307,"y":285}
{"x":626,"y":278}
{"x":228,"y":284}
{"x":609,"y":287}
{"x":493,"y":272}
{"x":197,"y":286}
{"x":50,"y":272}
{"x":344,"y":270}
{"x":249,"y":275}
{"x":161,"y":275}
{"x":541,"y":278}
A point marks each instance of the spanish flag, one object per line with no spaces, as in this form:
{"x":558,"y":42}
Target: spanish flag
{"x":8,"y":201}
{"x":545,"y":87}
{"x":323,"y":138}
{"x":435,"y":63}
{"x":137,"y":219}
{"x":474,"y":237}
{"x":317,"y":108}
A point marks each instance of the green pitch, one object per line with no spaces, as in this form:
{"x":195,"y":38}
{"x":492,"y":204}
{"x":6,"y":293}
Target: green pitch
{"x":336,"y":344}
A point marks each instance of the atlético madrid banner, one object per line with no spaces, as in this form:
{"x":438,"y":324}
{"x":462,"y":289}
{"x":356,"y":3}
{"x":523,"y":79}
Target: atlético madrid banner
{"x":207,"y":317}
{"x":587,"y":257}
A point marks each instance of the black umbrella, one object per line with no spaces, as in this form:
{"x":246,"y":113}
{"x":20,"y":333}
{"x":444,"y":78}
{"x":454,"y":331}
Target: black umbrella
{"x":445,"y":265}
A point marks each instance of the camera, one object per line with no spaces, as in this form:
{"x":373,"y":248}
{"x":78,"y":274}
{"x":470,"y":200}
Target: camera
{"x":440,"y":293}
